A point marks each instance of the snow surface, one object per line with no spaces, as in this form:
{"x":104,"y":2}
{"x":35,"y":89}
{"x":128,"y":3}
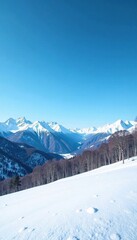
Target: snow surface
{"x":67,"y":155}
{"x":116,"y":126}
{"x":97,"y":205}
{"x":58,"y":128}
{"x":85,"y":130}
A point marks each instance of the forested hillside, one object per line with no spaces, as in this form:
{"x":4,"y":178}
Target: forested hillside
{"x":121,"y":145}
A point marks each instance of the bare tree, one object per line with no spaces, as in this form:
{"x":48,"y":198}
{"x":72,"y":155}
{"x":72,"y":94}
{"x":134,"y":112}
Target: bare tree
{"x":120,"y":144}
{"x":135,"y":140}
{"x":105,"y":153}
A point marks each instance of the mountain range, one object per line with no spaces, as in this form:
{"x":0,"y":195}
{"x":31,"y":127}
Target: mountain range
{"x":55,"y":138}
{"x":25,"y":144}
{"x":48,"y":137}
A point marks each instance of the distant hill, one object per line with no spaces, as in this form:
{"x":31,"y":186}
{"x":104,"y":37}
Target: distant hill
{"x":20,"y":159}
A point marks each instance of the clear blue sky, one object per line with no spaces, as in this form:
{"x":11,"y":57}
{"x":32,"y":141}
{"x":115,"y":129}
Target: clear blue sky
{"x":71,"y":61}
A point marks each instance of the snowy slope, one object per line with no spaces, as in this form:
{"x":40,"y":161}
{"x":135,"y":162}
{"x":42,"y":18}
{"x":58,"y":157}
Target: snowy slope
{"x":85,"y":131}
{"x":116,"y":126}
{"x":97,"y":205}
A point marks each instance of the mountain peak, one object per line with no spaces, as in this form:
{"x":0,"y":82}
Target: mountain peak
{"x":23,"y":120}
{"x":39,"y":126}
{"x":119,"y":122}
{"x":58,"y":127}
{"x":10,"y":121}
{"x":125,"y":125}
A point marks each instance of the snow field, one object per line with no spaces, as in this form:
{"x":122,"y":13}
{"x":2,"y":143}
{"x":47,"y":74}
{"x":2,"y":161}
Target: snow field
{"x":97,"y":205}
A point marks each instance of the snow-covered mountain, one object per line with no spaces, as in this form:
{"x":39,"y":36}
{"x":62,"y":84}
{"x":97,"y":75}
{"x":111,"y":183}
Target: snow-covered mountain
{"x":108,"y":128}
{"x":53,"y":137}
{"x":116,"y":126}
{"x":97,"y":205}
{"x":84,"y":131}
{"x":14,"y":125}
{"x":20,"y":124}
{"x":45,"y":136}
{"x":102,"y":134}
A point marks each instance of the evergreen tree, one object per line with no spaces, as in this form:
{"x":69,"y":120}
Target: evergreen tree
{"x":15,"y":183}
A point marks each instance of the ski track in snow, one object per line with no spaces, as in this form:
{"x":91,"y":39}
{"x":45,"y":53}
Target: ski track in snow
{"x":97,"y":205}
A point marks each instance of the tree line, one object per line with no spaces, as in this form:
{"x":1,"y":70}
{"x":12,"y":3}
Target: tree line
{"x":121,"y":145}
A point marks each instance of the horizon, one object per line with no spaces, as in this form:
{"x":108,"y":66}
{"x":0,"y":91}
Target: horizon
{"x":76,"y":127}
{"x":71,"y":62}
